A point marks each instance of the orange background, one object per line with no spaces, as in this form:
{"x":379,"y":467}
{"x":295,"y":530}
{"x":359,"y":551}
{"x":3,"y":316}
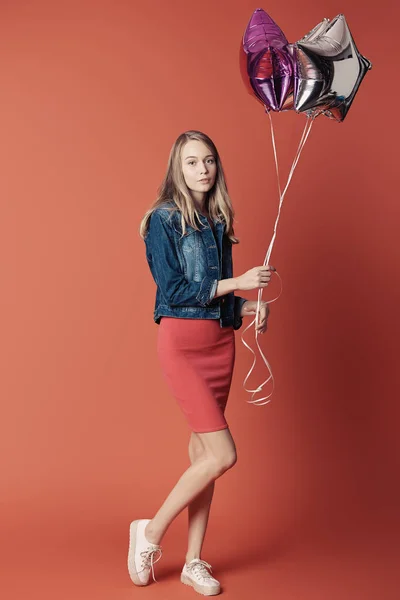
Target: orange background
{"x":93,"y":94}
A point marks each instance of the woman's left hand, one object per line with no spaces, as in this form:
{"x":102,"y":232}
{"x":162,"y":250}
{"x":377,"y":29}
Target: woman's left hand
{"x":250,"y":307}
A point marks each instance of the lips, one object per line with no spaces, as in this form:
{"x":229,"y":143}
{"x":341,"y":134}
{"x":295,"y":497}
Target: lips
{"x":204,"y":180}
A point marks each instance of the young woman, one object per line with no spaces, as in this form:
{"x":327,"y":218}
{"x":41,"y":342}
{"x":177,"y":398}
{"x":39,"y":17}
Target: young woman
{"x":189,"y":235}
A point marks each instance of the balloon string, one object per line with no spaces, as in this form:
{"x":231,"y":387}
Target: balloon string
{"x":305,"y":134}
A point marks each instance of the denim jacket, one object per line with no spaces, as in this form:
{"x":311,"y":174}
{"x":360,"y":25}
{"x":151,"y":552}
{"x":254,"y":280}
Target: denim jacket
{"x":187,"y":269}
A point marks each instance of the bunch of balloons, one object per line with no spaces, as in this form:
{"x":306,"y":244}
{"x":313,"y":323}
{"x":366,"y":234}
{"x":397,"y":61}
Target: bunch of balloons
{"x":319,"y":74}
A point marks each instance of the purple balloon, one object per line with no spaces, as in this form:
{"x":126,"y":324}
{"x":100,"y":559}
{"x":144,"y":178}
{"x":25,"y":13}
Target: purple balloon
{"x":319,"y":74}
{"x":268,"y":62}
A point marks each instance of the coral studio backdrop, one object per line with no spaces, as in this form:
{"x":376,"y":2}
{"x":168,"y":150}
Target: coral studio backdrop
{"x":93,"y":94}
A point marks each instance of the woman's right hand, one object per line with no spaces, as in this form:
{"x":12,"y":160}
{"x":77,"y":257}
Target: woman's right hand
{"x":257,"y":277}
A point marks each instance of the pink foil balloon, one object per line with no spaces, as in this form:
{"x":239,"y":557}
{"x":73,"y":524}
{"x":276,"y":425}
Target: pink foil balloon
{"x":266,"y":62}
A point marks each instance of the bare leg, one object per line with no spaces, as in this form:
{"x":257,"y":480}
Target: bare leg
{"x":219,"y":456}
{"x":199,"y":508}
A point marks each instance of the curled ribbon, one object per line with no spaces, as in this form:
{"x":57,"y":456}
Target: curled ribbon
{"x":306,"y":131}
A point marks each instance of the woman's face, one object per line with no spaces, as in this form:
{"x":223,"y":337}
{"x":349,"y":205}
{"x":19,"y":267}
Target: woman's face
{"x":198,"y":163}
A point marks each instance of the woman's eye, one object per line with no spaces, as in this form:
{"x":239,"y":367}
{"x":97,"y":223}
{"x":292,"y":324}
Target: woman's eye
{"x":191,"y":162}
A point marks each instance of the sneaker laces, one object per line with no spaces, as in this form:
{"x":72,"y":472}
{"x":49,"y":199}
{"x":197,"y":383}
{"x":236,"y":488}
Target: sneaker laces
{"x":200,"y":567}
{"x":148,"y":559}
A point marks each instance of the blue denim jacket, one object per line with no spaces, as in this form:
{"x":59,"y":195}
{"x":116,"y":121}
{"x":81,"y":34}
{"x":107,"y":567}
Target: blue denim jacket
{"x":187,"y":269}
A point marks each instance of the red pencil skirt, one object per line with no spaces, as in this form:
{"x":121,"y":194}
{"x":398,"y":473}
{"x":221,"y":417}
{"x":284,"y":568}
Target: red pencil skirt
{"x":197,"y":357}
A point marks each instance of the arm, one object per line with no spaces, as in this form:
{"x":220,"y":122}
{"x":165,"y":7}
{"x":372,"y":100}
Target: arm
{"x":230,"y":285}
{"x":175,"y":288}
{"x":225,"y":286}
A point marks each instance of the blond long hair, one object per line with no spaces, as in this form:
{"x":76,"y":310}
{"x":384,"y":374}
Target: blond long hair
{"x":173,"y":188}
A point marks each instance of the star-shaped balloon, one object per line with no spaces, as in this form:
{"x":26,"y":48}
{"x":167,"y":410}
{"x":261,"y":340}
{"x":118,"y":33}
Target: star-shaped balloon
{"x":328,"y":70}
{"x":265,"y":61}
{"x":319,"y":74}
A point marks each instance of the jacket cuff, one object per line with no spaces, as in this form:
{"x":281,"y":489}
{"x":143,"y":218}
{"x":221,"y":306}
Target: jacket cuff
{"x":208,"y":288}
{"x":237,"y":319}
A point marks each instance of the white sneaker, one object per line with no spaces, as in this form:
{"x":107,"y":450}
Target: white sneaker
{"x":195,"y":573}
{"x":141,"y":553}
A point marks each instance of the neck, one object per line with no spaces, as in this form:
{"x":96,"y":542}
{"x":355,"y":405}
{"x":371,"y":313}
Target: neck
{"x":201,"y":202}
{"x":201,"y":208}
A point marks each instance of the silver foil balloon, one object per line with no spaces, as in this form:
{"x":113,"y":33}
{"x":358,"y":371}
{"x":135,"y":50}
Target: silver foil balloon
{"x":328,"y":70}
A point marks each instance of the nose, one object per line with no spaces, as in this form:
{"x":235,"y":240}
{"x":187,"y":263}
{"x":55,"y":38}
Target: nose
{"x":203,"y":169}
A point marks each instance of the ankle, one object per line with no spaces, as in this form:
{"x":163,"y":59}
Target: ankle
{"x":151,"y":535}
{"x":190,"y":557}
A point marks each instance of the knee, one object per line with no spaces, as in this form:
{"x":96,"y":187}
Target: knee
{"x":217,"y":460}
{"x":224,"y":462}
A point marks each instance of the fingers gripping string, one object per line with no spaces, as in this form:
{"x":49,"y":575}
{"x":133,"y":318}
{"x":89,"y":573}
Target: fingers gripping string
{"x":305,"y":134}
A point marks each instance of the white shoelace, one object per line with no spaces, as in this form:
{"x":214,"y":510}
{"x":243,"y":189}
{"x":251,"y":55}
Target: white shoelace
{"x":148,"y":559}
{"x":199,"y":567}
